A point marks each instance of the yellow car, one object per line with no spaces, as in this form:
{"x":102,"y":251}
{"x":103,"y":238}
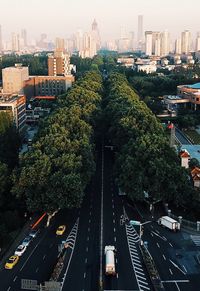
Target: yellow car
{"x":12,"y":261}
{"x":61,"y":230}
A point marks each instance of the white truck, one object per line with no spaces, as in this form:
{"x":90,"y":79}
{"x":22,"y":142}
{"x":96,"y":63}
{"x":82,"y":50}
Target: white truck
{"x":168,"y":222}
{"x":110,"y":260}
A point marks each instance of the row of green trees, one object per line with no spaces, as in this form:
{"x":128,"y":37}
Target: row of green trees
{"x":54,"y":174}
{"x":144,"y":160}
{"x":9,"y":147}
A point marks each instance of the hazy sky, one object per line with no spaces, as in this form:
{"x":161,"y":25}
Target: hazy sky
{"x":63,"y":17}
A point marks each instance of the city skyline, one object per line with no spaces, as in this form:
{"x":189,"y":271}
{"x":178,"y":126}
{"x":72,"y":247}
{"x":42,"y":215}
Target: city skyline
{"x":69,"y":17}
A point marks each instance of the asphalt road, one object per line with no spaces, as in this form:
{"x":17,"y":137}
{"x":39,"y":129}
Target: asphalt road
{"x":40,"y":257}
{"x":173,"y":253}
{"x":102,"y":220}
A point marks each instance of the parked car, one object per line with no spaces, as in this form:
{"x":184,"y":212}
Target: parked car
{"x":34,"y":232}
{"x":20,"y":250}
{"x":27,"y":241}
{"x":61,"y":230}
{"x":12,"y":261}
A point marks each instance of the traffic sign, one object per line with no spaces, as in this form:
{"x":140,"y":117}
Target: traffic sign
{"x":29,"y":284}
{"x":134,"y":222}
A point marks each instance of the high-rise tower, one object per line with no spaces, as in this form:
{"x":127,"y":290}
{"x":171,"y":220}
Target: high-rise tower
{"x":185,"y":41}
{"x":140,"y":31}
{"x":1,"y":43}
{"x":96,"y":34}
{"x":148,"y":43}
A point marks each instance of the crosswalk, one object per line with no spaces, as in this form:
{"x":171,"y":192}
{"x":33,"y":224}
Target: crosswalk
{"x":195,"y":239}
{"x":133,"y":239}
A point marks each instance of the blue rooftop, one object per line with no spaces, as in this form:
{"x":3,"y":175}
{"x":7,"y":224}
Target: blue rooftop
{"x":194,"y":86}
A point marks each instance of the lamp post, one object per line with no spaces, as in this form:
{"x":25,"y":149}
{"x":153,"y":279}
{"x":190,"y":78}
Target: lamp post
{"x":135,"y":222}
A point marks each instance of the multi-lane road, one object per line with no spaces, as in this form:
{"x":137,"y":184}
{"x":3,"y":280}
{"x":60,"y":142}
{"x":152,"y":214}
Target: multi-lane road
{"x":103,"y":220}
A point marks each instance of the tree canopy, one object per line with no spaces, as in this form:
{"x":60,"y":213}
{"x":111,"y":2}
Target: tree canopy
{"x":144,"y":160}
{"x":54,"y":174}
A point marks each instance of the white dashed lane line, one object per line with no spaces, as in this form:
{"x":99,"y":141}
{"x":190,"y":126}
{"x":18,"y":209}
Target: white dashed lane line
{"x":164,"y":257}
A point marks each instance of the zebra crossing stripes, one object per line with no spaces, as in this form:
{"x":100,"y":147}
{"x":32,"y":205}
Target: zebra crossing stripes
{"x":195,"y":239}
{"x":133,"y":239}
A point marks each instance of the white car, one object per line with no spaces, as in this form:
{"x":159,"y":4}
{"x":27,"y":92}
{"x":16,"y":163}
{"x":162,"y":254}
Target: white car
{"x":20,"y":250}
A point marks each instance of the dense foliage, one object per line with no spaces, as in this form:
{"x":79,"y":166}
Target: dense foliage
{"x":9,"y":147}
{"x":144,"y":160}
{"x":54,"y":174}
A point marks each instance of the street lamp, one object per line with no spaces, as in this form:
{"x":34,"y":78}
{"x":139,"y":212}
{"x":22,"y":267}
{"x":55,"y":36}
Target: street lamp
{"x":135,"y":222}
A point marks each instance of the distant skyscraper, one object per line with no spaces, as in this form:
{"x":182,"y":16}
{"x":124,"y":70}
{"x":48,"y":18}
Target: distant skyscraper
{"x":132,"y":45}
{"x":197,"y":48}
{"x":24,"y":37}
{"x":198,"y":43}
{"x":156,"y":43}
{"x":140,"y":31}
{"x":148,"y":43}
{"x":185,"y":42}
{"x":15,"y":42}
{"x":1,"y":43}
{"x":178,"y":46}
{"x":96,"y":34}
{"x":165,"y":44}
{"x":60,"y":44}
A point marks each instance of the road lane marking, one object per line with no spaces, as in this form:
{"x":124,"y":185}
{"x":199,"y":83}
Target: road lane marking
{"x":178,"y":281}
{"x":32,"y":252}
{"x":88,"y":229}
{"x":89,"y":220}
{"x":170,"y":271}
{"x":117,"y":276}
{"x":15,"y":279}
{"x":162,"y":237}
{"x":113,"y":206}
{"x":185,"y":268}
{"x":164,"y":257}
{"x":158,"y":245}
{"x":36,"y":270}
{"x":86,"y":249}
{"x":115,"y":239}
{"x":113,"y":221}
{"x":113,"y":214}
{"x":44,"y":257}
{"x":114,"y":229}
{"x":86,"y":260}
{"x":8,"y":288}
{"x":84,"y":275}
{"x":65,"y":274}
{"x":177,"y":286}
{"x":171,"y":245}
{"x":177,"y":267}
{"x":88,"y":238}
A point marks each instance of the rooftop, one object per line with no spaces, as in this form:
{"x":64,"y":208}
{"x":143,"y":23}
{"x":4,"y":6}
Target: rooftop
{"x":194,"y":86}
{"x":193,"y":150}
